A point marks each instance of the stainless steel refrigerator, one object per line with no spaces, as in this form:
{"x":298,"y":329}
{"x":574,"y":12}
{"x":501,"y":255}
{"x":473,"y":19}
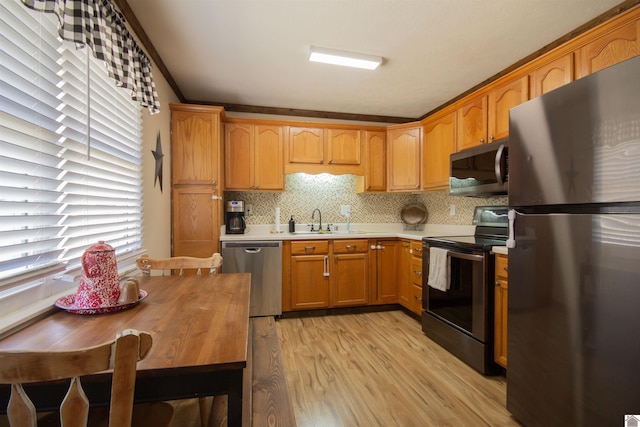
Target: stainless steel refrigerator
{"x":574,"y":263}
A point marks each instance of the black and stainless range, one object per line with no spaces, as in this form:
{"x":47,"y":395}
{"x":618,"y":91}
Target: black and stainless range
{"x":459,"y":316}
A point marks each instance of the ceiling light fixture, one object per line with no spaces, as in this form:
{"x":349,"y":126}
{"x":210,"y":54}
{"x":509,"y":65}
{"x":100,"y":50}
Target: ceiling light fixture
{"x":348,"y":59}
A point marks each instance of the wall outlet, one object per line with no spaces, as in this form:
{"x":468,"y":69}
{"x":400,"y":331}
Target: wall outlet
{"x":345,"y":210}
{"x":249,"y":210}
{"x":452,"y":210}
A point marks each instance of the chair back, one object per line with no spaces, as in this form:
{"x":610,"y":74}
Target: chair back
{"x":180,"y":264}
{"x":121,"y":355}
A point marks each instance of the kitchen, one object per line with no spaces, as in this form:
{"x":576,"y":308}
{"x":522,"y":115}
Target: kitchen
{"x":365,"y":208}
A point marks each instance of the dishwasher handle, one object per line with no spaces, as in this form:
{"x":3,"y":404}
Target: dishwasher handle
{"x":252,"y":250}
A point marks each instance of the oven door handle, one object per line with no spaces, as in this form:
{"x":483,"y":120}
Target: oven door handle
{"x":465,"y":256}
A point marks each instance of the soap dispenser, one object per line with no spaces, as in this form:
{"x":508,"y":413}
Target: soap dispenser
{"x":292,"y":225}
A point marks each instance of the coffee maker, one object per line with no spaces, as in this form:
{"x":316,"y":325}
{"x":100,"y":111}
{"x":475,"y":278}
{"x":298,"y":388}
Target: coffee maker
{"x":234,"y":217}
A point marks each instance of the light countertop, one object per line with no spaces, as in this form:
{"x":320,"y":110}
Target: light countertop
{"x":500,"y":250}
{"x":265,"y":232}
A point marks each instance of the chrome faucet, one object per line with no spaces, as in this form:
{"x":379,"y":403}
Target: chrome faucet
{"x":320,"y":219}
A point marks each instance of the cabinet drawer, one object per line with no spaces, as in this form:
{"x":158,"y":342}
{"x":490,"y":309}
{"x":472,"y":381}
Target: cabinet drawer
{"x":416,"y":248}
{"x":307,"y":247}
{"x":415,"y":302}
{"x":502,"y":264}
{"x":416,"y":271}
{"x":350,"y":246}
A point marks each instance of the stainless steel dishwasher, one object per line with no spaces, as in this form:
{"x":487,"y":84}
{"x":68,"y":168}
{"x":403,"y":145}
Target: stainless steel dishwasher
{"x":263,"y":260}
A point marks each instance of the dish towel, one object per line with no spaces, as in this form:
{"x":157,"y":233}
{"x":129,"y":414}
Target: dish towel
{"x":438,"y":269}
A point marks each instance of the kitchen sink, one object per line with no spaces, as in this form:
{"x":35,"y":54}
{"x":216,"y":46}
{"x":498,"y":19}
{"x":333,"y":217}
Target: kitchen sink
{"x":323,"y":232}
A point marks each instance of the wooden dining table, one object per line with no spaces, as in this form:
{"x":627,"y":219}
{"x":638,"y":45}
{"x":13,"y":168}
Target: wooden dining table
{"x":200,"y":331}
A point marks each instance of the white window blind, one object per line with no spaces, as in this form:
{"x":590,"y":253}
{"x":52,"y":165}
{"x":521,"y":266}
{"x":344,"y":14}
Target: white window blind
{"x":59,"y":191}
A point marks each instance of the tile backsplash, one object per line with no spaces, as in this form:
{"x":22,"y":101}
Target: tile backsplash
{"x":304,"y":193}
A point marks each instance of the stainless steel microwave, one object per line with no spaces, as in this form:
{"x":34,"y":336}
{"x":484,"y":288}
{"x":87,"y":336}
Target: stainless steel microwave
{"x":481,"y":171}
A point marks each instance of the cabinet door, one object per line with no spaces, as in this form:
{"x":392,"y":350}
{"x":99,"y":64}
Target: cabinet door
{"x":609,"y":49}
{"x":309,"y":285}
{"x":193,"y":148}
{"x":195,"y":221}
{"x":375,"y":177}
{"x":439,"y":141}
{"x":238,"y":156}
{"x":472,"y":123}
{"x":306,"y":145}
{"x":350,"y":279}
{"x":404,"y":279}
{"x":500,"y":101}
{"x":343,"y":146}
{"x":385,"y":286}
{"x":268,"y":158}
{"x":501,"y":304}
{"x":404,"y":153}
{"x":552,"y":75}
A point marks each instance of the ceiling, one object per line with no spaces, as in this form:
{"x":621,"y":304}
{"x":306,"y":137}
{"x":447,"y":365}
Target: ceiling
{"x":254,"y":53}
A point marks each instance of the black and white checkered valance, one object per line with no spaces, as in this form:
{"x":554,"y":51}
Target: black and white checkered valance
{"x":99,"y":25}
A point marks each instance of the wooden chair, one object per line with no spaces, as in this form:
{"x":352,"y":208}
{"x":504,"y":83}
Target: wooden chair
{"x":180,"y":264}
{"x":121,"y":355}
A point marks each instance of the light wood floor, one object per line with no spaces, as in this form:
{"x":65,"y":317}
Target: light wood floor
{"x":379,"y":369}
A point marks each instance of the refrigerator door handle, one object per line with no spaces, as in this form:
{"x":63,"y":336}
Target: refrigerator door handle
{"x":511,"y":241}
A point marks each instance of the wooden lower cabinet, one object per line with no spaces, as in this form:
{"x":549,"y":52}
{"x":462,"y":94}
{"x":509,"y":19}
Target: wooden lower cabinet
{"x":501,"y":300}
{"x":328,"y":273}
{"x":332,"y":273}
{"x":309,"y":283}
{"x":415,"y":304}
{"x":415,"y":273}
{"x":384,"y":273}
{"x":350,"y":273}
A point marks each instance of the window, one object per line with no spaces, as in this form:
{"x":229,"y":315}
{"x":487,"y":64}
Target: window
{"x":68,"y":179}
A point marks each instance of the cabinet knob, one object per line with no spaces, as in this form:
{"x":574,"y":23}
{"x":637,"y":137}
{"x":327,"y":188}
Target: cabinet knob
{"x":491,"y":137}
{"x":482,"y":140}
{"x":214,"y":182}
{"x":497,"y":283}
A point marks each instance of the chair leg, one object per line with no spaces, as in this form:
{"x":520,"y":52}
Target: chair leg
{"x":205,"y":410}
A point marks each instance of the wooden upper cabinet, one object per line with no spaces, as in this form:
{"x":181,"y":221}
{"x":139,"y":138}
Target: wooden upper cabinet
{"x":552,"y":75}
{"x":306,"y":145}
{"x":194,"y":153}
{"x":609,"y":49}
{"x":254,"y":157}
{"x":404,"y":148}
{"x":268,"y":158}
{"x":500,"y":101}
{"x":375,"y":163}
{"x":472,"y":123}
{"x":238,"y":141}
{"x":343,"y":146}
{"x":439,"y":142}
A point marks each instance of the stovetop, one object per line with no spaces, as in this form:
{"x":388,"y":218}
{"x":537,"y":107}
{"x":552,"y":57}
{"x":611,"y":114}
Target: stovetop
{"x":482,"y":243}
{"x":491,"y":230}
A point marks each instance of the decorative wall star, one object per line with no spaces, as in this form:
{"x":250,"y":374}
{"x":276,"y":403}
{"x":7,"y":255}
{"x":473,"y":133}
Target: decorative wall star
{"x":157,"y":154}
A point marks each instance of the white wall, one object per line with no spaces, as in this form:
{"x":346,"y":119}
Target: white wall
{"x":156,"y":205}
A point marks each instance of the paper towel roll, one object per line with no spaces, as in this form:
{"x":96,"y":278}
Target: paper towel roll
{"x":278,"y":219}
